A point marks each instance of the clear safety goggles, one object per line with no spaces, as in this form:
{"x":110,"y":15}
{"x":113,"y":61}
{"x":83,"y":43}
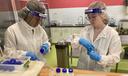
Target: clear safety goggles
{"x":94,"y":11}
{"x":38,"y":14}
{"x":91,"y":16}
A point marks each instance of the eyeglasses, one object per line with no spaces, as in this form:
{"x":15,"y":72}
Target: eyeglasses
{"x":38,"y":14}
{"x":91,"y":16}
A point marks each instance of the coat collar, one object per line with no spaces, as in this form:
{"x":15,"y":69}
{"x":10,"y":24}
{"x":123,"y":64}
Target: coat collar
{"x":27,"y":26}
{"x":102,"y":34}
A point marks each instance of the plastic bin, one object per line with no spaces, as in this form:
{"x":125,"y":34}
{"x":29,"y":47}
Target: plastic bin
{"x":14,"y":67}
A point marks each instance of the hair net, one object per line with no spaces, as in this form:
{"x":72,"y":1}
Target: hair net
{"x":32,"y":5}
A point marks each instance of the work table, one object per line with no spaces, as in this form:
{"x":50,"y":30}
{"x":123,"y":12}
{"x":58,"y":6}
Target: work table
{"x":46,"y":72}
{"x":37,"y":68}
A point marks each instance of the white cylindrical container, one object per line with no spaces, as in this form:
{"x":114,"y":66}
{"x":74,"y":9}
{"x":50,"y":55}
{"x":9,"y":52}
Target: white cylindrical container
{"x":58,"y":71}
{"x":64,"y":72}
{"x":70,"y":72}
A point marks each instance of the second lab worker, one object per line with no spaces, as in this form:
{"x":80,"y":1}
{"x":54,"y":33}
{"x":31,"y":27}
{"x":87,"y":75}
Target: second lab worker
{"x":28,"y":35}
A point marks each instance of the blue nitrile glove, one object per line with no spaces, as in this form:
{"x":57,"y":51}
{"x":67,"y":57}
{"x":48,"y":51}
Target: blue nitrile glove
{"x":90,"y":49}
{"x":32,"y":55}
{"x":86,"y":44}
{"x":44,"y":48}
{"x":94,"y":55}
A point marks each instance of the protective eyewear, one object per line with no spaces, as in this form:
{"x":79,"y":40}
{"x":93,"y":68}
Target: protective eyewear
{"x":90,"y":16}
{"x":95,"y":10}
{"x":38,"y":14}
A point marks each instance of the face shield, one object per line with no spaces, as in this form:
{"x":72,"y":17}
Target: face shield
{"x":92,"y":13}
{"x":38,"y":14}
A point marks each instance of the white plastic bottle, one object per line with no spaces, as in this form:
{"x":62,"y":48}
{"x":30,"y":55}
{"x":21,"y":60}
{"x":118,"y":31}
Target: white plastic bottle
{"x":70,"y":72}
{"x":64,"y":72}
{"x":58,"y":71}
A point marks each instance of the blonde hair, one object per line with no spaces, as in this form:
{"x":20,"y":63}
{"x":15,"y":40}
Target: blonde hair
{"x":97,"y":4}
{"x":101,"y":5}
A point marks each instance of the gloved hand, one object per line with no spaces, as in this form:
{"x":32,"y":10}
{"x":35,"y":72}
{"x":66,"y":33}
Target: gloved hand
{"x":90,"y":49}
{"x":32,"y":55}
{"x":44,"y":48}
{"x":75,"y":41}
{"x":86,"y":44}
{"x":94,"y":55}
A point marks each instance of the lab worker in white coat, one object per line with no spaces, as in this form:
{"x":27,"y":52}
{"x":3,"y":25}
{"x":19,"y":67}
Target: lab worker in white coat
{"x":27,"y":36}
{"x":98,"y":43}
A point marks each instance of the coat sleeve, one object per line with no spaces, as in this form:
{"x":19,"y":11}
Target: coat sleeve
{"x":10,"y":41}
{"x":75,"y":40}
{"x":114,"y":52}
{"x":45,"y":39}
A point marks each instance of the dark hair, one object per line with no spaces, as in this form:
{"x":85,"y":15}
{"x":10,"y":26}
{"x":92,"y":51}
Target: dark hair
{"x":32,"y":5}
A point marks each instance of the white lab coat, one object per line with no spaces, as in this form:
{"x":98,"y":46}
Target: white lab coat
{"x":107,"y":44}
{"x":21,"y":36}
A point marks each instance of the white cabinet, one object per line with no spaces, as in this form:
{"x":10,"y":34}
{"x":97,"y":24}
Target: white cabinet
{"x":124,"y":39}
{"x":62,"y":33}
